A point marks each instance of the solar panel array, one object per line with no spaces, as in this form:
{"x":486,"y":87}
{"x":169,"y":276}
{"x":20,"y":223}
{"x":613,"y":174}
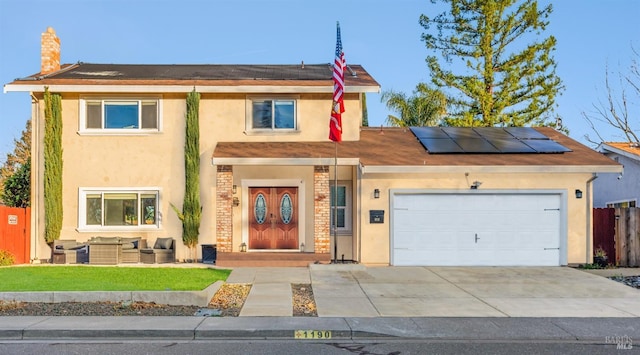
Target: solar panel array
{"x":485,"y":140}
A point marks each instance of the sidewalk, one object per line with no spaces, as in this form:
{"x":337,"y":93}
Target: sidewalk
{"x":210,"y":328}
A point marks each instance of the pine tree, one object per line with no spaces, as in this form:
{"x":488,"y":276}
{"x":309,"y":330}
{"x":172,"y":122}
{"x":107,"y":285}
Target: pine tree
{"x":191,"y":214}
{"x":18,"y":158}
{"x":17,"y":188}
{"x":500,"y":73}
{"x":52,"y":166}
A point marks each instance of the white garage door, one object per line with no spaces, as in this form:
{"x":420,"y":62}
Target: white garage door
{"x":476,"y":229}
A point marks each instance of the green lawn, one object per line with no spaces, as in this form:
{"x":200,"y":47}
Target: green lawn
{"x":88,"y":278}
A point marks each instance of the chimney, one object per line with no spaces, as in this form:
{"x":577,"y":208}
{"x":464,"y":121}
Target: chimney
{"x":50,"y":52}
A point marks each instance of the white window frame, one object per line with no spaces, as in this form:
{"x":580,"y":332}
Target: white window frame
{"x":348,"y":211}
{"x":82,"y":116}
{"x":82,"y":209}
{"x":629,"y":201}
{"x":249,"y":115}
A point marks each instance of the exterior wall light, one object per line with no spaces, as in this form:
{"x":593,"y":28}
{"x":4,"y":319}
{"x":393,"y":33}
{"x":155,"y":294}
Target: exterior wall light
{"x":234,"y":189}
{"x":578,"y":193}
{"x":236,"y":202}
{"x":376,"y":193}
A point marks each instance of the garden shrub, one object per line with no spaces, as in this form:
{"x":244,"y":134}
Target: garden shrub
{"x":6,"y":258}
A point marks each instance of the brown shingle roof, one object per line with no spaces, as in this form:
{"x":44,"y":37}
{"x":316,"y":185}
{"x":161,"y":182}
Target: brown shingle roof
{"x":632,"y":148}
{"x":199,"y":74}
{"x":399,"y":147}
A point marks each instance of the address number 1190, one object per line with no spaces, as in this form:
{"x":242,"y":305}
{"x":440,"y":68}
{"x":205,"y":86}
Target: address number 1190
{"x":312,"y":334}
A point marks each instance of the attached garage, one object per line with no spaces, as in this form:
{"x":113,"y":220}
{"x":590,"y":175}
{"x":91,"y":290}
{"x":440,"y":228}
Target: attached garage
{"x":483,"y":228}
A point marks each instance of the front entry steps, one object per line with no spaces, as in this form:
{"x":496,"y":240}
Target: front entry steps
{"x":270,"y":259}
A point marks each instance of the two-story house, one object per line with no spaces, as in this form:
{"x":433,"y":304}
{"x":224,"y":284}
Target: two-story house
{"x":420,"y":196}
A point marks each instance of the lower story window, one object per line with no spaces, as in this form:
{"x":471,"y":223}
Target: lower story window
{"x":340,"y":207}
{"x":119,"y":208}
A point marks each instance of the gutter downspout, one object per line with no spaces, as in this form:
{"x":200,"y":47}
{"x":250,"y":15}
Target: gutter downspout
{"x":35,"y":181}
{"x":589,"y":227}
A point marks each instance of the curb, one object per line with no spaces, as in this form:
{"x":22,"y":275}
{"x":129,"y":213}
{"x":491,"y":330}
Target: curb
{"x":594,"y":330}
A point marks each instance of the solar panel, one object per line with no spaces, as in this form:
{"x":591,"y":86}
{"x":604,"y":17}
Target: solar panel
{"x":493,"y":133}
{"x":460,"y":132}
{"x":476,"y":145}
{"x":485,"y":140}
{"x":512,"y":146}
{"x":546,"y":146}
{"x":525,"y":133}
{"x":428,"y":132}
{"x":439,"y":145}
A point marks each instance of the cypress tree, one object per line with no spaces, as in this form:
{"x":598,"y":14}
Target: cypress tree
{"x":365,"y":113}
{"x":191,"y":214}
{"x":52,"y":166}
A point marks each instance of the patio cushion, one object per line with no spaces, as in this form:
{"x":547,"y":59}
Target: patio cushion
{"x":130,"y":243}
{"x":105,"y":239}
{"x":67,"y":245}
{"x":163,"y":243}
{"x":128,"y":246}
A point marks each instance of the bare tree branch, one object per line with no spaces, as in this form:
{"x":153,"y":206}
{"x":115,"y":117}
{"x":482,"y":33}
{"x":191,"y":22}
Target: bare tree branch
{"x":616,"y":111}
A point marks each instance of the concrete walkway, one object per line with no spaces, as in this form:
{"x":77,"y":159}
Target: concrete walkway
{"x":359,"y":291}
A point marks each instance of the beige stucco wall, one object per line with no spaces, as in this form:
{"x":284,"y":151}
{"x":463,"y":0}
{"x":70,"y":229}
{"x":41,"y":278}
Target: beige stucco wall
{"x":375,"y":240}
{"x":157,"y":160}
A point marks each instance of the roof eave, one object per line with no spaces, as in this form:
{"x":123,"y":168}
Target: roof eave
{"x":604,"y":148}
{"x":390,"y":169}
{"x":187,"y":88}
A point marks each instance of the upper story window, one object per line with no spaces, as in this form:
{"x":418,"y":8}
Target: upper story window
{"x":119,"y":115}
{"x":272,"y":114}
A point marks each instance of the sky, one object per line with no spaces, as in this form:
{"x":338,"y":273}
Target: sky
{"x":381,"y":35}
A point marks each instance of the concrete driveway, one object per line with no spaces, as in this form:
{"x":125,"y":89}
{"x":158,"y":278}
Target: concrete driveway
{"x":359,"y":291}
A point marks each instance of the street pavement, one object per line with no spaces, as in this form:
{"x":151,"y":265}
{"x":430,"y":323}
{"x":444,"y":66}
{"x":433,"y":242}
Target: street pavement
{"x":358,"y":302}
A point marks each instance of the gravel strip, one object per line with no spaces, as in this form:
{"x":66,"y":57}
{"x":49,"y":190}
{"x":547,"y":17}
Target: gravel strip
{"x":304,"y":305}
{"x":633,"y":281}
{"x":230,"y":298}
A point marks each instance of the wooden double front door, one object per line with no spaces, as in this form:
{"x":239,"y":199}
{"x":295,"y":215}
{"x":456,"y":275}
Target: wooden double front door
{"x":273,"y":218}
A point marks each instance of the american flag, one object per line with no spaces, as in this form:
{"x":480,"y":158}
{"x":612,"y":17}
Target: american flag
{"x":335,"y":124}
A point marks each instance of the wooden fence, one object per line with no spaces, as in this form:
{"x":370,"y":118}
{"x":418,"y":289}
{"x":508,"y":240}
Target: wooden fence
{"x":15,"y":232}
{"x":617,"y":231}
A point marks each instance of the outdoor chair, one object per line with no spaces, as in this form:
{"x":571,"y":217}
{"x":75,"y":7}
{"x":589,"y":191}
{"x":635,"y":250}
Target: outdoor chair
{"x":131,"y":249}
{"x":69,"y":251}
{"x":163,"y":251}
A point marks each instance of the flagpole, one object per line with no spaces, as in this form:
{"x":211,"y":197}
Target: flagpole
{"x":335,"y":205}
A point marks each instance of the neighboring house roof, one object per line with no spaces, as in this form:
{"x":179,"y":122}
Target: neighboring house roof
{"x":630,"y":150}
{"x":229,"y":78}
{"x":400,"y":151}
